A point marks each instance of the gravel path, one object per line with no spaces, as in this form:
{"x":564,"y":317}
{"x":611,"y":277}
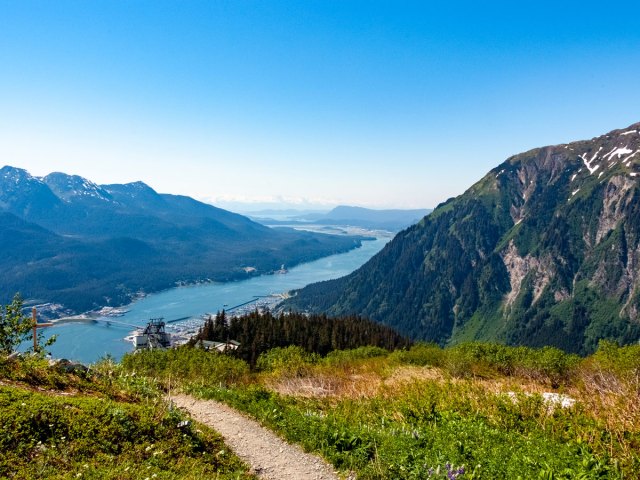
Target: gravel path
{"x":269,"y":456}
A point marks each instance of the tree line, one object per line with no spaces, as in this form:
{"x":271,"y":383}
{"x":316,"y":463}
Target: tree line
{"x":259,"y":332}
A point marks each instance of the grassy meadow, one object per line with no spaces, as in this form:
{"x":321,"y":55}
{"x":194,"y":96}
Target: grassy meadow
{"x":474,"y":411}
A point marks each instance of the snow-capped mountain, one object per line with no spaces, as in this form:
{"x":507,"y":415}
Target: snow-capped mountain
{"x":74,"y":187}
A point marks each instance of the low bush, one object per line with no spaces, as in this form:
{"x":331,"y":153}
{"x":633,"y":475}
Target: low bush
{"x":547,"y":365}
{"x":292,"y":360}
{"x":621,"y":361}
{"x":187,"y":365}
{"x":421,"y":354}
{"x":45,"y":436}
{"x":344,"y":357}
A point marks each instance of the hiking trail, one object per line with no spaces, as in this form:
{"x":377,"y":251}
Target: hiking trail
{"x":268,"y":455}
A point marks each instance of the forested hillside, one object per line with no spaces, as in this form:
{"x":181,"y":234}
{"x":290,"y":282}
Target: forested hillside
{"x":544,"y":250}
{"x":66,"y":240}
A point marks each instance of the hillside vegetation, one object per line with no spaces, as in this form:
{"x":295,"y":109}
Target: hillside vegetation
{"x":99,"y":424}
{"x":475,"y":411}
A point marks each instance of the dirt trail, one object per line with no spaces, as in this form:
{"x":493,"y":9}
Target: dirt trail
{"x":269,"y":456}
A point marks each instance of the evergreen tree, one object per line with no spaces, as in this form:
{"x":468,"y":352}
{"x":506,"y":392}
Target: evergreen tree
{"x":259,"y":332}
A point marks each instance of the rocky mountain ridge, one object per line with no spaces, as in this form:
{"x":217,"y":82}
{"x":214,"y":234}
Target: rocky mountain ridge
{"x":543,"y":250}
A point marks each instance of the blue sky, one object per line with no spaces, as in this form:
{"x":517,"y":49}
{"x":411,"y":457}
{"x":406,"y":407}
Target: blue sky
{"x":380,"y":104}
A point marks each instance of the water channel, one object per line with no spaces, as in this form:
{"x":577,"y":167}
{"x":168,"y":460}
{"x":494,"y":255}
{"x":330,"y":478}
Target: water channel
{"x":88,"y":341}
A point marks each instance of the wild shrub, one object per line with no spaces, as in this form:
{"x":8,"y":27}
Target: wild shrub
{"x":180,"y":366}
{"x":344,"y":357}
{"x":45,"y":436}
{"x":292,"y":361}
{"x":105,"y":378}
{"x":547,"y":365}
{"x":621,"y":361}
{"x":421,"y":354}
{"x":15,"y":327}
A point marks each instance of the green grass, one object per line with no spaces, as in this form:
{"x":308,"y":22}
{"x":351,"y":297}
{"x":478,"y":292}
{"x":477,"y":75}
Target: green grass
{"x":106,"y":424}
{"x":459,"y":412}
{"x":382,"y":415}
{"x":186,"y":365}
{"x":404,"y":433}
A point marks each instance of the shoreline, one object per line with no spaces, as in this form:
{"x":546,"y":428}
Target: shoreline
{"x":99,"y":312}
{"x":87,"y":337}
{"x":185,"y":329}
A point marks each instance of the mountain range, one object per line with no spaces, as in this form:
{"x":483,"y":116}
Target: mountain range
{"x":543,"y":250}
{"x":67,"y":240}
{"x":392,"y":220}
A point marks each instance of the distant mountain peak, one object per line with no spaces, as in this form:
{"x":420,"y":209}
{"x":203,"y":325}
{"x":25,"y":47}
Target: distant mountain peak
{"x":20,"y":191}
{"x":9,"y":173}
{"x":69,"y":187}
{"x":131,"y":189}
{"x":139,"y":185}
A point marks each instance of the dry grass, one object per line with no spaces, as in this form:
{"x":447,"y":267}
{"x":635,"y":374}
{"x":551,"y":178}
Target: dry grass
{"x":365,"y":381}
{"x":614,"y":401}
{"x":406,"y":374}
{"x":356,"y":380}
{"x":327,"y":386}
{"x":611,"y":401}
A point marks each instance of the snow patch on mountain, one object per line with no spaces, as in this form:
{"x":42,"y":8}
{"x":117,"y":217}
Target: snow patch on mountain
{"x":626,"y":159}
{"x":68,"y":187}
{"x":618,"y":151}
{"x":17,"y":175}
{"x":587,"y":163}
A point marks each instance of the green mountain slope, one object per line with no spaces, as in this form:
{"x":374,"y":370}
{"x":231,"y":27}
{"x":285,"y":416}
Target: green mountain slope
{"x":66,"y":240}
{"x":544,"y":250}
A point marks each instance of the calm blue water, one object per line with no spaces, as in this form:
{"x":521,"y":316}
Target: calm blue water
{"x":89,"y":341}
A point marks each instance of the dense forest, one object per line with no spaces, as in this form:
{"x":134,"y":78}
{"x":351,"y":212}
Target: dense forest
{"x":259,"y":332}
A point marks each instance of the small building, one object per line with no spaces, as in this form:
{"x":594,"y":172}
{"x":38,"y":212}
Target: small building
{"x":153,"y":336}
{"x":209,"y":345}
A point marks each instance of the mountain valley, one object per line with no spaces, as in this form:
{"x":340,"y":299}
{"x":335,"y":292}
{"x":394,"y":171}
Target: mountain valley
{"x":66,"y":240}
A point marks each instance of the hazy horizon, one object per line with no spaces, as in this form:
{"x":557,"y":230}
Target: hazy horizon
{"x":306,"y":104}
